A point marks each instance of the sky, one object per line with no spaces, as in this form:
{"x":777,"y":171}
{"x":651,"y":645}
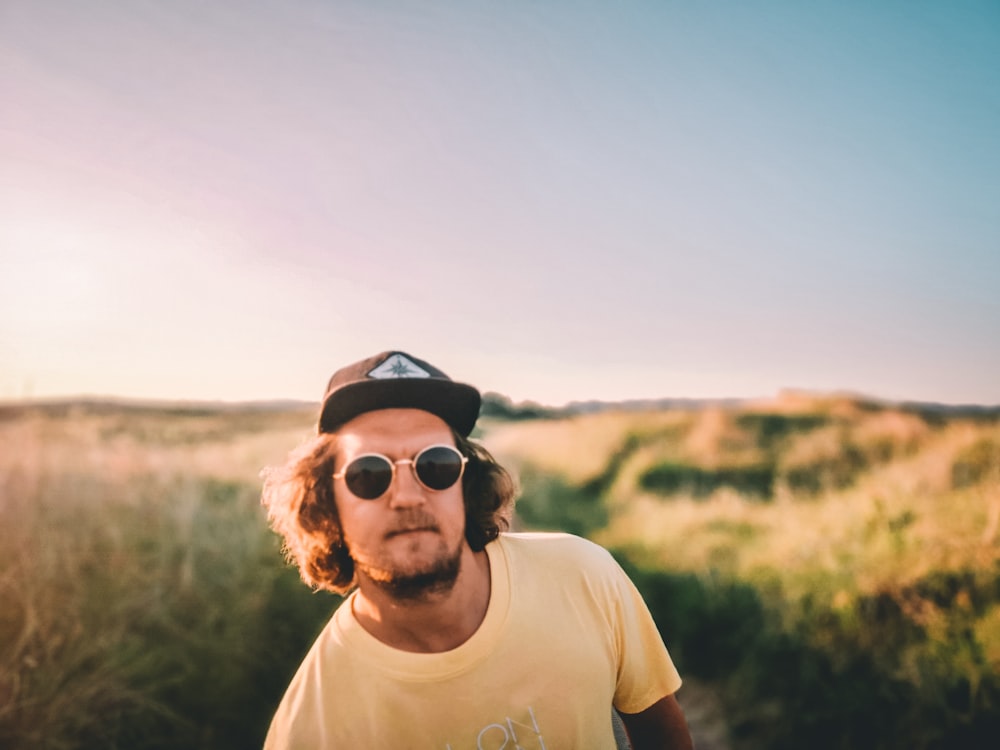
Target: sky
{"x":553,"y":200}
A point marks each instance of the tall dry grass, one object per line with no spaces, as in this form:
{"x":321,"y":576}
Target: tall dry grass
{"x":144,"y":601}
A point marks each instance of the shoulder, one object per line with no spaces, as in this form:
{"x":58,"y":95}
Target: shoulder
{"x":551,"y":543}
{"x":557,"y":551}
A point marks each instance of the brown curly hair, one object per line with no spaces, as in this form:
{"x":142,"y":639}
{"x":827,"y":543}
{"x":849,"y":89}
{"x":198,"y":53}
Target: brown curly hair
{"x":299,"y":500}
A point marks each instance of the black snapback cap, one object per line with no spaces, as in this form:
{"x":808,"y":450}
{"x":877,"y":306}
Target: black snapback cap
{"x":397,"y":380}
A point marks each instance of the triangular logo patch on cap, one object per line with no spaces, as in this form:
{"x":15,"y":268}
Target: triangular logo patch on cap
{"x":398,"y":366}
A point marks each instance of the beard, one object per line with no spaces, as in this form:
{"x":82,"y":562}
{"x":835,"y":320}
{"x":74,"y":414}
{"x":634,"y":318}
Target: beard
{"x":439,"y":578}
{"x":415,"y":581}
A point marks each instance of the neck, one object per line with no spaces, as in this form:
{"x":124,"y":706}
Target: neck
{"x":437,"y":621}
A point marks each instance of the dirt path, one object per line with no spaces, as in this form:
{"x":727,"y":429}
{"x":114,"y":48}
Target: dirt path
{"x":705,"y":715}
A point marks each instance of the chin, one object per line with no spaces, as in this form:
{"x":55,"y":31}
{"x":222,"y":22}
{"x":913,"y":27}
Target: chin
{"x":415,"y":581}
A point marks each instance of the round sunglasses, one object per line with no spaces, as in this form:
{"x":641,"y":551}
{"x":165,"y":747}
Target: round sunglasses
{"x":436,"y":467}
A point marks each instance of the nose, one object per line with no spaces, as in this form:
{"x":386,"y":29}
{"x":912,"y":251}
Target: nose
{"x":405,"y":490}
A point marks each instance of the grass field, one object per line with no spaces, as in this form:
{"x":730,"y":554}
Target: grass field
{"x":829,"y":566}
{"x":825,"y":570}
{"x":144,"y":600}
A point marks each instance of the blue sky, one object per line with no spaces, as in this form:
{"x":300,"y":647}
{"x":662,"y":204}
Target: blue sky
{"x":554,"y":200}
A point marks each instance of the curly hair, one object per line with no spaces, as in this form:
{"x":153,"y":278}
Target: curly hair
{"x":300,"y":507}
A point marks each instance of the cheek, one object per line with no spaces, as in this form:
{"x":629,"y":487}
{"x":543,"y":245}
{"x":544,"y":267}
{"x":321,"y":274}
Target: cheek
{"x":454,"y":507}
{"x":352,"y":519}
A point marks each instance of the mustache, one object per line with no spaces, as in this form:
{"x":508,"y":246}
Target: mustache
{"x":412,"y":520}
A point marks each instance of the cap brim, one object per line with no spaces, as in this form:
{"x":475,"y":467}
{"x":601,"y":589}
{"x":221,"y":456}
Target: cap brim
{"x":456,"y":403}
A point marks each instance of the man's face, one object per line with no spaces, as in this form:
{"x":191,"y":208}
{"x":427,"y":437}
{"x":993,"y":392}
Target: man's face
{"x":409,"y":541}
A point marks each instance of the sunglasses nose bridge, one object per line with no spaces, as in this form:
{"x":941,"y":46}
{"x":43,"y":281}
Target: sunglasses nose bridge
{"x":413,"y":468}
{"x":405,"y":491}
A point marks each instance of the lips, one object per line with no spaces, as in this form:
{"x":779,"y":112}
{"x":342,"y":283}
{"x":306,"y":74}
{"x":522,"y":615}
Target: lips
{"x":411,"y":521}
{"x":410,"y":530}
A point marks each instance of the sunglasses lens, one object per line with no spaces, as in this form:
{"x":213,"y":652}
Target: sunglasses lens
{"x":368,"y":477}
{"x":439,"y":467}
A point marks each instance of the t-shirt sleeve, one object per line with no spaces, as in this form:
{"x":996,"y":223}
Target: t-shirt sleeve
{"x":646,"y":672}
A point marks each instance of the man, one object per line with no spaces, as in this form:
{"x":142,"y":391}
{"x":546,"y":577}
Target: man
{"x":457,"y":634}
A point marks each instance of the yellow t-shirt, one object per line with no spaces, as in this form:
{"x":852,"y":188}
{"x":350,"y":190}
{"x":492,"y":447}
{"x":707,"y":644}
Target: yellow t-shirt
{"x":566,"y":636}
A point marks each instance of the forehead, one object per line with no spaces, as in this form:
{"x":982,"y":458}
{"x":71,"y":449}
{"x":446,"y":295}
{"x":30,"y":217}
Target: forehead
{"x":398,"y":433}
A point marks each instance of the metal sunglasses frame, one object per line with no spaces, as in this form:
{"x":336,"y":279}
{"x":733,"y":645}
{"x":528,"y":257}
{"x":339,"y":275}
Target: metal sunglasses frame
{"x":413,"y":467}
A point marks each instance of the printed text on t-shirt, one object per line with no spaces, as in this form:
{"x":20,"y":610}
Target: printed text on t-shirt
{"x":509,"y":735}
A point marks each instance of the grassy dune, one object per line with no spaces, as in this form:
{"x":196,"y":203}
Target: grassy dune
{"x":830,"y":566}
{"x":826,"y":569}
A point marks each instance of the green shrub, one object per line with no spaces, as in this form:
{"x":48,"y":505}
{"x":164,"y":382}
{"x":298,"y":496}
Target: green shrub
{"x":770,"y":429}
{"x":975,"y":463}
{"x":550,"y":503}
{"x":708,"y":623}
{"x":804,"y":673}
{"x":671,"y":478}
{"x":827,"y":473}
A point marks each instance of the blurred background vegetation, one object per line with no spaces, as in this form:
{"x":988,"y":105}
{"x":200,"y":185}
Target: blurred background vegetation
{"x":825,"y":570}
